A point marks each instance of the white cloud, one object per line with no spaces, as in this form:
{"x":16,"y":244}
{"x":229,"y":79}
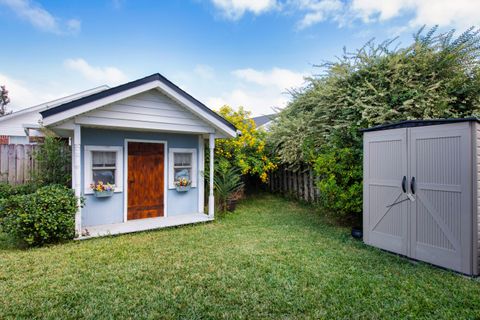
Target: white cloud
{"x":102,"y":75}
{"x":41,"y":18}
{"x":446,"y":13}
{"x":257,"y":101}
{"x":23,"y":95}
{"x":318,"y":11}
{"x":74,"y":25}
{"x":459,"y":13}
{"x":204,"y":71}
{"x":259,"y":91}
{"x":235,"y":9}
{"x":280,"y":78}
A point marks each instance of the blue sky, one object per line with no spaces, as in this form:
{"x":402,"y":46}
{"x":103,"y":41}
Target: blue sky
{"x":236,"y":52}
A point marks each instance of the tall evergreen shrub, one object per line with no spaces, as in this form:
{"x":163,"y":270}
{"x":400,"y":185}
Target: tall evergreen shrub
{"x":436,"y":76}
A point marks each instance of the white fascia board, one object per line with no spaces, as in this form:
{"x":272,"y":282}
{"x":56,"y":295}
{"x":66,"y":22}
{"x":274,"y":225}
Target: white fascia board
{"x":197,"y":110}
{"x":62,"y":116}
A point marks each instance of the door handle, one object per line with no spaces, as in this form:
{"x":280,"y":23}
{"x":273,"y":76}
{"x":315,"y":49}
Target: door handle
{"x":412,"y":185}
{"x":404,"y":184}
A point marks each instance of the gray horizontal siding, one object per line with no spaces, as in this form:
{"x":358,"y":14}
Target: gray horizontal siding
{"x":152,"y":107}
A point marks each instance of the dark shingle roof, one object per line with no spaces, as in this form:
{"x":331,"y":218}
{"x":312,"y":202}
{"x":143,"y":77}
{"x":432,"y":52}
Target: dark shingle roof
{"x":261,"y":120}
{"x":123,"y":87}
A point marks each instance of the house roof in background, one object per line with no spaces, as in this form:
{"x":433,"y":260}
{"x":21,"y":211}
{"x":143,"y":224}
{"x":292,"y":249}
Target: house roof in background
{"x":261,"y":120}
{"x":130,"y":85}
{"x":51,"y":104}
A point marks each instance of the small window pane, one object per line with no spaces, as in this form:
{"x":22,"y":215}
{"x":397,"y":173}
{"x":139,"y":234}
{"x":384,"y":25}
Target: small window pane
{"x":182,"y":159}
{"x":104,"y":175}
{"x":97,"y":158}
{"x":182,"y":173}
{"x":110,"y":159}
{"x":103,"y":158}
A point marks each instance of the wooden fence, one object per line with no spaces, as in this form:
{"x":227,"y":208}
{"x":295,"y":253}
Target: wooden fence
{"x":299,"y":184}
{"x":17,"y":163}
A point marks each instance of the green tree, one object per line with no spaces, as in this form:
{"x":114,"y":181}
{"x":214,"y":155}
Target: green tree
{"x":4,"y":100}
{"x":247,"y":151}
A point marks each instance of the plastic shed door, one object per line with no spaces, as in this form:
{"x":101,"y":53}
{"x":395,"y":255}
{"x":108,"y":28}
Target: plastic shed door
{"x":385,"y":165}
{"x":429,"y":217}
{"x":440,"y":224}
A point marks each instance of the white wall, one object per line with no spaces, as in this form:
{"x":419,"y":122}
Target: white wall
{"x":14,"y":125}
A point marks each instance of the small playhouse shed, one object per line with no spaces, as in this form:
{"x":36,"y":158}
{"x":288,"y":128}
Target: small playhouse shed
{"x":143,"y":138}
{"x":421,"y":191}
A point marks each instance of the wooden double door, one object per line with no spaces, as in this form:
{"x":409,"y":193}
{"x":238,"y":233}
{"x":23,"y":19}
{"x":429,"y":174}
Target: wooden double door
{"x":146,"y":180}
{"x":417,"y":188}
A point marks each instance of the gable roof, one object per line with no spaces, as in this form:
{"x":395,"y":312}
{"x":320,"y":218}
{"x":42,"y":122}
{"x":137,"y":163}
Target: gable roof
{"x":51,"y":104}
{"x":152,"y":79}
{"x":261,"y":120}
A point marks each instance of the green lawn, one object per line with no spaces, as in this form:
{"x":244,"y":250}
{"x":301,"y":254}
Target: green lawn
{"x":271,"y":259}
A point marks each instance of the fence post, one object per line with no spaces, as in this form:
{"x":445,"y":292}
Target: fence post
{"x":27,"y":163}
{"x":295,"y":183}
{"x":3,"y":163}
{"x":300,"y":183}
{"x":312,"y":186}
{"x":277,"y":179}
{"x":11,"y":164}
{"x":305,"y":184}
{"x":292,"y":183}
{"x":19,"y":163}
{"x":287,"y":181}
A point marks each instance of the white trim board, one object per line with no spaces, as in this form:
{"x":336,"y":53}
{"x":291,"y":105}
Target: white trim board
{"x":125,"y":176}
{"x":201,"y":174}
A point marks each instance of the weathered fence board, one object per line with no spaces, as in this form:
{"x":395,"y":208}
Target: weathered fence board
{"x":299,"y":184}
{"x":17,"y":163}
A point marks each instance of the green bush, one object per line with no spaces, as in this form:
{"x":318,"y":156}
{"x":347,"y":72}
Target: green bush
{"x":54,"y":162}
{"x":7,"y":190}
{"x":227,"y":182}
{"x":46,"y":216}
{"x":339,"y":171}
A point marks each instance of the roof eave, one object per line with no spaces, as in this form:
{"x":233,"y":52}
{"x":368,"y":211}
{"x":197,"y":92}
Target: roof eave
{"x":71,"y":109}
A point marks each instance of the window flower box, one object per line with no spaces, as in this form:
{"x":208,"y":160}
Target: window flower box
{"x":182,"y":189}
{"x":103,"y":194}
{"x":101,"y":190}
{"x":183,"y":184}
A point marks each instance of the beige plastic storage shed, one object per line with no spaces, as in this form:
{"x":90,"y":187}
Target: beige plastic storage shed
{"x":421,"y":191}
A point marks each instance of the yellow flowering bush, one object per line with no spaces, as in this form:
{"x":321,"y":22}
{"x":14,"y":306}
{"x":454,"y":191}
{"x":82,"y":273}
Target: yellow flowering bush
{"x":247,"y":151}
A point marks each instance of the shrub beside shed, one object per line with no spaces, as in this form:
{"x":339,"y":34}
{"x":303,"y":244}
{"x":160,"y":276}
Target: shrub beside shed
{"x":421,"y":191}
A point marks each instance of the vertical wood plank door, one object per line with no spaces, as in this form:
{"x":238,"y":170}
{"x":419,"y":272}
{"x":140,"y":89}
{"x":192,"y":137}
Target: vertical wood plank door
{"x":146,"y":176}
{"x":385,"y":203}
{"x":441,"y":213}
